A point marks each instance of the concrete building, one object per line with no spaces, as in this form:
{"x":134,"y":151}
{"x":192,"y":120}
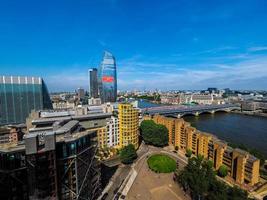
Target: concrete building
{"x":205,"y":99}
{"x":113,"y":132}
{"x":12,"y":134}
{"x":108,"y":136}
{"x":242,"y":166}
{"x":94,"y":101}
{"x":128,"y":125}
{"x":254,"y":105}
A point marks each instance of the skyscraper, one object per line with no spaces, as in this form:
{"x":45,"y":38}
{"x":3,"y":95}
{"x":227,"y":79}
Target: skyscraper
{"x":20,"y":95}
{"x":107,"y":78}
{"x":93,"y":83}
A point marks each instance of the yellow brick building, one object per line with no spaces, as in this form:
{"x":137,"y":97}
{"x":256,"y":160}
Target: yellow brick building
{"x":242,"y":167}
{"x":102,"y":137}
{"x":128,"y":125}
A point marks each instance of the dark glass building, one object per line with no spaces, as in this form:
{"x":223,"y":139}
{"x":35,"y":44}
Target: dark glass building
{"x":93,"y":83}
{"x":107,"y":78}
{"x":19,"y":96}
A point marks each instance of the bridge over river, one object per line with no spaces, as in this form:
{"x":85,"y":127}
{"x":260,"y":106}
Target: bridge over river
{"x":180,"y":110}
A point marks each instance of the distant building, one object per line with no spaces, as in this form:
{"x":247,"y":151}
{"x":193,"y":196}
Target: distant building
{"x":212,"y":90}
{"x":128,"y":125}
{"x":205,"y":99}
{"x":93,"y":83}
{"x":253,"y":105}
{"x":107,"y":78}
{"x":81,"y":94}
{"x":94,"y":101}
{"x":19,"y":95}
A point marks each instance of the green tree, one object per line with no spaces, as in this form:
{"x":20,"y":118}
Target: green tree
{"x":235,"y":193}
{"x":128,"y":154}
{"x":155,"y":134}
{"x":222,"y":171}
{"x":188,"y":153}
{"x":199,"y":178}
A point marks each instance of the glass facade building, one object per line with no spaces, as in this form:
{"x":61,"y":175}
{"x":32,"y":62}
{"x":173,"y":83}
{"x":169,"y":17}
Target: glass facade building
{"x":19,"y":96}
{"x":107,"y":78}
{"x":93,"y":83}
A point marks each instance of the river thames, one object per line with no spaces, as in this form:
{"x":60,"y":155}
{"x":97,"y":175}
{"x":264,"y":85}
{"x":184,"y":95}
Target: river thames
{"x":231,"y":127}
{"x":235,"y":128}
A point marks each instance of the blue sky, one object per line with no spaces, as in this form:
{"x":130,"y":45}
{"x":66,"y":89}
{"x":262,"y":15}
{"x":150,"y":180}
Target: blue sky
{"x":174,"y":44}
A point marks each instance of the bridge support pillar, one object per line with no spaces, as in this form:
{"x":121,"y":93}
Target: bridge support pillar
{"x":212,"y":112}
{"x":196,"y":113}
{"x":179,"y":116}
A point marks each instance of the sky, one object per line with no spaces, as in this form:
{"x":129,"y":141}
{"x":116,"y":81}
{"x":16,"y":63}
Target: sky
{"x":167,"y":45}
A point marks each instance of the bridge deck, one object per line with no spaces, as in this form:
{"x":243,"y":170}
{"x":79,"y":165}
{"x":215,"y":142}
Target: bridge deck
{"x":187,"y":109}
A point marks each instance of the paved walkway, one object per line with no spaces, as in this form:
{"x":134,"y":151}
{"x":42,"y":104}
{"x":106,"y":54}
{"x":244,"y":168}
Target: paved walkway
{"x":152,"y":186}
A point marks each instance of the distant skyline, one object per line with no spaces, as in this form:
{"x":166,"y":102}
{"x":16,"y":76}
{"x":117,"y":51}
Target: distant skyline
{"x":175,"y":44}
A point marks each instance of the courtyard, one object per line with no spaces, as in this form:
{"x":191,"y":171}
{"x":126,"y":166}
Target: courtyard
{"x":149,"y":185}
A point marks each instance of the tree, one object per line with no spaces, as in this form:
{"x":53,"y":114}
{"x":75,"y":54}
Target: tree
{"x":128,"y":154}
{"x":188,"y":153}
{"x":222,"y":171}
{"x":155,"y":134}
{"x":236,"y":193}
{"x":199,"y":179}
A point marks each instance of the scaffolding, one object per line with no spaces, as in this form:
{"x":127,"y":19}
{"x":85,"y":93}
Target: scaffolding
{"x":78,"y":169}
{"x":13,"y":173}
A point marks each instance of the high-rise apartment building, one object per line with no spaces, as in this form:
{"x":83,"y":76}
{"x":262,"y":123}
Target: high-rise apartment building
{"x":113,"y":136}
{"x":107,"y":78}
{"x":19,"y":96}
{"x":128,"y":125}
{"x":242,"y":166}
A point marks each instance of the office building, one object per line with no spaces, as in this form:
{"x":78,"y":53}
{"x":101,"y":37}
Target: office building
{"x":128,"y":125}
{"x":80,"y":94}
{"x":93,"y":83}
{"x":242,"y":166}
{"x":56,"y":159}
{"x":19,"y":96}
{"x":107,"y":78}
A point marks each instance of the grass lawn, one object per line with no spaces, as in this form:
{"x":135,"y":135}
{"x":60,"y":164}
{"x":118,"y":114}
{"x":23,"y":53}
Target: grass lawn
{"x":161,"y":163}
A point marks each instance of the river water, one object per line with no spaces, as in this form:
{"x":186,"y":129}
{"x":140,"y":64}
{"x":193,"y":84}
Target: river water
{"x":234,"y":128}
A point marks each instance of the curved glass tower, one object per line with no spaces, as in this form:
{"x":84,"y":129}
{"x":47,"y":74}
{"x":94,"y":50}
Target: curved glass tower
{"x":107,"y":78}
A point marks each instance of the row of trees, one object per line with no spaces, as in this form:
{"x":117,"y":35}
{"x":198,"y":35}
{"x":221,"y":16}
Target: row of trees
{"x":154,"y":134}
{"x":199,"y":179}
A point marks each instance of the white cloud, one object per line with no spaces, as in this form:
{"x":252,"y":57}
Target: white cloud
{"x":260,"y":48}
{"x":247,"y":73}
{"x":238,"y":75}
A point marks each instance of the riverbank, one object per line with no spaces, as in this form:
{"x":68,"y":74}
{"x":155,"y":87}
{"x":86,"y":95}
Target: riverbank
{"x":250,"y":113}
{"x":235,"y":128}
